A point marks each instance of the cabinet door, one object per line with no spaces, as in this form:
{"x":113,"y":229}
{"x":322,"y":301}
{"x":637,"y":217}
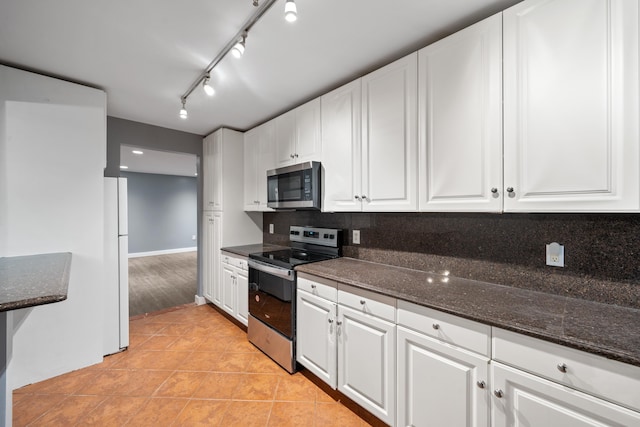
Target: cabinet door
{"x":251,"y":154}
{"x":242,"y":301}
{"x":389,"y":137}
{"x":571,"y":106}
{"x":527,"y":400}
{"x":208,"y":173}
{"x":285,"y":125}
{"x":367,"y":362}
{"x":228,"y":288}
{"x":217,"y":195}
{"x":216,"y":272}
{"x":341,"y":156}
{"x":208,"y":233}
{"x":460,"y":120}
{"x":438,"y":384}
{"x":266,"y":161}
{"x":308,"y":142}
{"x":316,"y":336}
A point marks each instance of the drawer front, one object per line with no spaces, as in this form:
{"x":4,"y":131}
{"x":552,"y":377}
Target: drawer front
{"x":605,"y":378}
{"x":322,"y":288}
{"x":234,"y":260}
{"x":367,"y":302}
{"x":451,"y":329}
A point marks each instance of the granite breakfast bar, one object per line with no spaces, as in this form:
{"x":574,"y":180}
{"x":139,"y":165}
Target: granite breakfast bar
{"x":26,"y":281}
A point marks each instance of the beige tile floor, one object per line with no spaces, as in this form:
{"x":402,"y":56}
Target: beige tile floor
{"x":187,"y":367}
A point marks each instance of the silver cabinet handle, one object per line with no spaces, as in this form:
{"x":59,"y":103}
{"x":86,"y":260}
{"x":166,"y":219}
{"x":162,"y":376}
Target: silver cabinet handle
{"x":481,"y":384}
{"x":296,"y":155}
{"x":364,"y":197}
{"x":330,"y":320}
{"x":339,"y":322}
{"x":498,"y":393}
{"x":363,"y":302}
{"x":562,"y":367}
{"x":494,"y":190}
{"x":357,"y":197}
{"x":291,"y":156}
{"x":313,"y":286}
{"x":509,"y":189}
{"x":435,"y":326}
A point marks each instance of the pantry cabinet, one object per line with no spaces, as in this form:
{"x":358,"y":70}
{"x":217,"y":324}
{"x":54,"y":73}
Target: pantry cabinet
{"x":259,"y":157}
{"x":298,"y":134}
{"x":460,"y":120}
{"x":571,"y":119}
{"x":370,"y":141}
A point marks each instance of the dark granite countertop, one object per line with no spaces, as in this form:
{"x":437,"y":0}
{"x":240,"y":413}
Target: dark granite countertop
{"x":603,"y":329}
{"x":27,"y":281}
{"x":245,"y":250}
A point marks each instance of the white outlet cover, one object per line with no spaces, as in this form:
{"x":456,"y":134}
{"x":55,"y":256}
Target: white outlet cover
{"x":555,"y":254}
{"x":356,"y":237}
{"x":270,"y":228}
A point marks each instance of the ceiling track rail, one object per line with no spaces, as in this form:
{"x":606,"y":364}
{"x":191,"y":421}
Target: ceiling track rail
{"x":246,"y":26}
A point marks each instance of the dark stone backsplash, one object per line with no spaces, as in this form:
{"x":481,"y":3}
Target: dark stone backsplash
{"x":602,"y":251}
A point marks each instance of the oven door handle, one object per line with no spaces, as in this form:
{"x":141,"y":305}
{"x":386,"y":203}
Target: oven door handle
{"x":270,"y":269}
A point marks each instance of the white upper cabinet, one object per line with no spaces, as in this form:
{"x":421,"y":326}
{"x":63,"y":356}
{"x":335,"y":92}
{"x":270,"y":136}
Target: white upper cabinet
{"x":212,"y":170}
{"x":571,"y":106}
{"x":298,"y":134}
{"x":460,"y":120}
{"x":341,"y":159}
{"x":389,"y":137}
{"x":259,"y":156}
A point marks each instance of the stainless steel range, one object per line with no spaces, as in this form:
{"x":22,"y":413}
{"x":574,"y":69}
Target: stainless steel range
{"x":272,"y":290}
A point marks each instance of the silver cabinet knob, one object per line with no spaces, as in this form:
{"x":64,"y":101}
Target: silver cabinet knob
{"x":363,"y":302}
{"x":330,"y":320}
{"x":339,"y":322}
{"x":364,"y":197}
{"x":291,"y":155}
{"x":562,"y":367}
{"x":435,"y":326}
{"x":494,"y":190}
{"x":357,"y":197}
{"x":313,"y":286}
{"x":296,"y":155}
{"x":509,"y":189}
{"x":498,"y":393}
{"x":481,"y":384}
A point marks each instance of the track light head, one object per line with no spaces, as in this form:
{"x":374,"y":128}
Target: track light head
{"x":290,"y":11}
{"x":238,"y":50}
{"x":183,"y":110}
{"x":208,"y":88}
{"x":255,"y":3}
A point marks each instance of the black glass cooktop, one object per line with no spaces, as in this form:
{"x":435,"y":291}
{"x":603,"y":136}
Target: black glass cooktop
{"x":289,"y":258}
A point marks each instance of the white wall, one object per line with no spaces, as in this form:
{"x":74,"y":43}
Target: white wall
{"x":52,"y":154}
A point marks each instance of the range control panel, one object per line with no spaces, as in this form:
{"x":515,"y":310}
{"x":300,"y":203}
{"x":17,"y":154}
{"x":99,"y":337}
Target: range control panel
{"x":319,"y":236}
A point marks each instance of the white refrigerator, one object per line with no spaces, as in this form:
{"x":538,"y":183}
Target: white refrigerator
{"x":116,"y":285}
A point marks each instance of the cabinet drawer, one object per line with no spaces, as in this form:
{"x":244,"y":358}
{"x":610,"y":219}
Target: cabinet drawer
{"x":324,"y":288}
{"x":234,"y":260}
{"x":367,"y":302}
{"x":605,"y":378}
{"x":455,"y":330}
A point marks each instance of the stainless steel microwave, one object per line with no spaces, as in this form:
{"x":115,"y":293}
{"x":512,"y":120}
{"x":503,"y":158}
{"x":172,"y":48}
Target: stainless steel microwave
{"x":295,"y":187}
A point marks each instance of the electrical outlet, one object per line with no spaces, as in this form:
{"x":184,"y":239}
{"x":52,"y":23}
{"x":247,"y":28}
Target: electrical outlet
{"x":555,"y":254}
{"x":270,"y":228}
{"x":356,"y":237}
{"x":193,"y":237}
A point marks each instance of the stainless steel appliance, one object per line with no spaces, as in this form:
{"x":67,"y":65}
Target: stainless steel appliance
{"x":295,"y":187}
{"x":272,"y":290}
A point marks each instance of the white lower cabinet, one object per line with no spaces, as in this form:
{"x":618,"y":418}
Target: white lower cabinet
{"x":212,"y":224}
{"x":234,"y":286}
{"x":522,"y":399}
{"x":342,"y":339}
{"x":440,"y":384}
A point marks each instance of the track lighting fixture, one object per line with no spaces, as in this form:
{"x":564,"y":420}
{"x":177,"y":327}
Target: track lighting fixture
{"x":238,"y":49}
{"x":183,"y":110}
{"x":290,"y":11}
{"x":255,"y":3}
{"x":208,"y":89}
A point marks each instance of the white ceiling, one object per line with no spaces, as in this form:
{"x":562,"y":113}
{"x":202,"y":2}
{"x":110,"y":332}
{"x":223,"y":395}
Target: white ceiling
{"x":146,"y":53}
{"x":160,"y":162}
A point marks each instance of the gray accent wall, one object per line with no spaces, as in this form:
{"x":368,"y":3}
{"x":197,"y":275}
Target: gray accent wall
{"x":162,"y":211}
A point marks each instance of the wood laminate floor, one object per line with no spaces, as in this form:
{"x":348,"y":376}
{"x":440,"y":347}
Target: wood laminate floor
{"x":162,"y":281}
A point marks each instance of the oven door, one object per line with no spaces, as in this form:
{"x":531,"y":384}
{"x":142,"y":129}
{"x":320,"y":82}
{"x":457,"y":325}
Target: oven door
{"x":272,"y":296}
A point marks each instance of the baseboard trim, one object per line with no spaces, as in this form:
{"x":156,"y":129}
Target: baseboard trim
{"x":163,"y":252}
{"x":200,"y":300}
